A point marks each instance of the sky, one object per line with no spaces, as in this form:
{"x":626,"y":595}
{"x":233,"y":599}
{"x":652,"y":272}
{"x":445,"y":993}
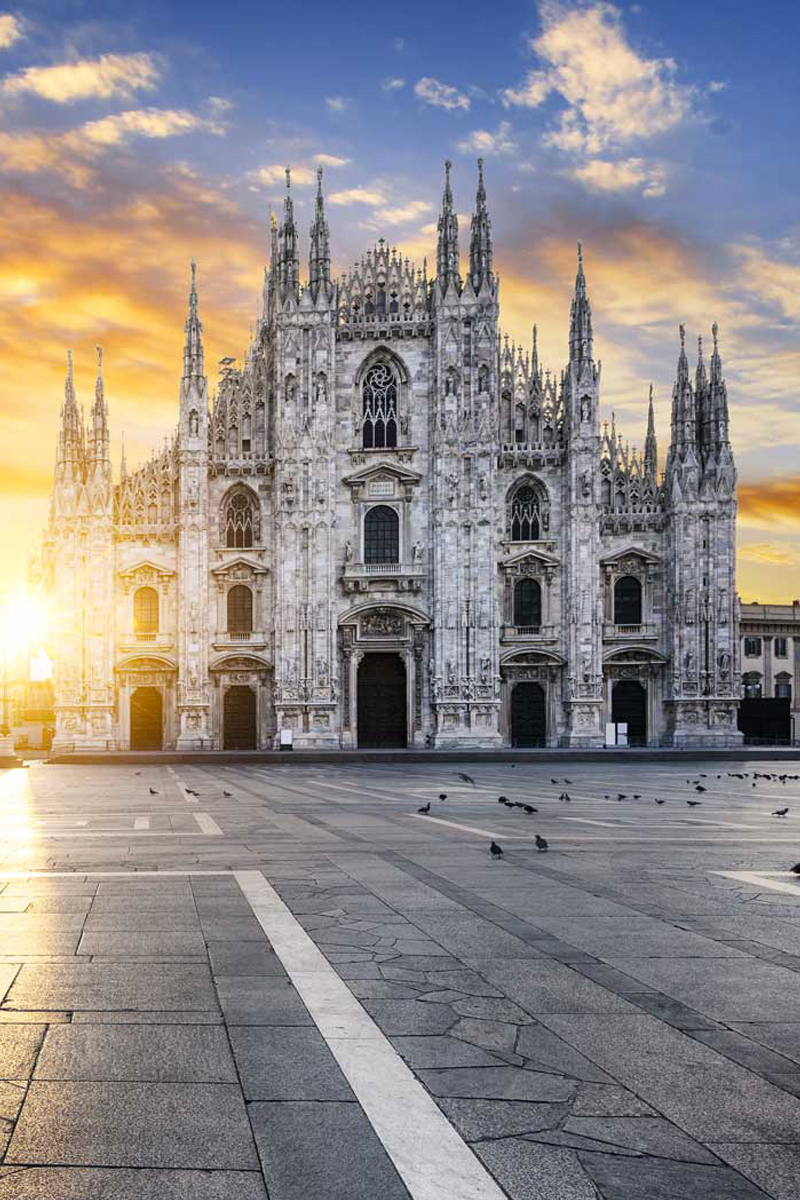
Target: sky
{"x":135,"y":136}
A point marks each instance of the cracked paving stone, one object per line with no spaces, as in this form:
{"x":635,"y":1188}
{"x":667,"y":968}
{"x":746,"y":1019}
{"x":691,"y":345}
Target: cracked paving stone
{"x":464,"y":981}
{"x":545,"y":1050}
{"x":442,"y":1051}
{"x":620,"y":1178}
{"x":644,"y":1135}
{"x":381,"y":989}
{"x":409,"y":1017}
{"x":602,"y":1100}
{"x":493,"y":1010}
{"x":476,"y":1119}
{"x":773,"y":1167}
{"x":492,"y":1035}
{"x":366,"y":970}
{"x":19,"y":1045}
{"x":529,"y":1171}
{"x":498,"y":1083}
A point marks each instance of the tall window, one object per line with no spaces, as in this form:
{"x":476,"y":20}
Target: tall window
{"x":240,"y":609}
{"x":628,"y":601}
{"x":380,"y":407}
{"x":527,"y":603}
{"x":783,"y":686}
{"x":752,"y":647}
{"x":145,"y":610}
{"x":381,"y":535}
{"x":780,"y":648}
{"x":525,"y":515}
{"x":240,"y":520}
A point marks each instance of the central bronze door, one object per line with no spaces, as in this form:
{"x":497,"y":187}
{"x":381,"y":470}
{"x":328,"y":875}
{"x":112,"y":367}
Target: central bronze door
{"x":239,"y":719}
{"x":528,"y":720}
{"x":147,"y":719}
{"x":629,"y":705}
{"x":382,"y":710}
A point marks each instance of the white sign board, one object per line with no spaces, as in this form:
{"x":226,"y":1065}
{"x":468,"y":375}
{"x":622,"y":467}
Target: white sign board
{"x":286,"y":739}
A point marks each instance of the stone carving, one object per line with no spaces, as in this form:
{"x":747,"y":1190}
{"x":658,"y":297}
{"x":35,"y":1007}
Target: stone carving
{"x":381,"y":623}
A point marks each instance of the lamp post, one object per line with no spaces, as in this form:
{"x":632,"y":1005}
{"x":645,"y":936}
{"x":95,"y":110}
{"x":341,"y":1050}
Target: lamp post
{"x":7,"y":756}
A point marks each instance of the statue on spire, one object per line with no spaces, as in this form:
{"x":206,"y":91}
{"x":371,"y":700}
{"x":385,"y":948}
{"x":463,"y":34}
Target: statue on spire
{"x":480,"y":250}
{"x":447,"y":248}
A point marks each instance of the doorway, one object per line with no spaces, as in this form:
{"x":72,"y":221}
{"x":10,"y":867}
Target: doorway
{"x":382,"y":707}
{"x":147,"y":719}
{"x":629,"y":705}
{"x":528,"y":719}
{"x":239,"y":719}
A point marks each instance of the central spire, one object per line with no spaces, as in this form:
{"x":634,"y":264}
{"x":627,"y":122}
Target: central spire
{"x":580,"y":321}
{"x":447,"y":249}
{"x":480,"y":250}
{"x":289,"y":271}
{"x":319,"y":254}
{"x":193,"y":346}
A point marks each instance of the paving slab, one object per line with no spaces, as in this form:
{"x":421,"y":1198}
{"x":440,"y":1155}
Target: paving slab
{"x":296,"y":1141}
{"x":497,"y":1083}
{"x":531,"y":1172}
{"x":287,"y":1064}
{"x":657,"y":1179}
{"x":97,"y":1183}
{"x":260,"y":1000}
{"x":95,"y":987}
{"x":199,"y":1126}
{"x":137,"y":1053}
{"x":774,"y":1168}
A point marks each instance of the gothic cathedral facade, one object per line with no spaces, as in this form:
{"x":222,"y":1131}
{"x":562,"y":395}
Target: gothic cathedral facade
{"x":390,"y":527}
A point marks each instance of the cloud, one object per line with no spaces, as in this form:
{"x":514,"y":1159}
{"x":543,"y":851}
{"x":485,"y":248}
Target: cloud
{"x":357,"y":195}
{"x":338,"y":104}
{"x":483,"y":141}
{"x":403,"y":213}
{"x":11,"y":30}
{"x":116,"y":76}
{"x":624,"y":175}
{"x":768,"y":552}
{"x":331,"y":160}
{"x":393,"y":85}
{"x":440,"y":95}
{"x":148,"y":123}
{"x":770,"y":502}
{"x":613,"y":94}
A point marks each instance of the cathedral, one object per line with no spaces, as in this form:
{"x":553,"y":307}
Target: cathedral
{"x":391,"y":527}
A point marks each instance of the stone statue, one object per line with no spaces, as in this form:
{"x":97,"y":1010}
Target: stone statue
{"x":348,"y":551}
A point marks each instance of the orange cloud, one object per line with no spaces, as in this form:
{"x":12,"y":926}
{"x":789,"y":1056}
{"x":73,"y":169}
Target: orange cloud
{"x":771,"y":501}
{"x":110,"y":75}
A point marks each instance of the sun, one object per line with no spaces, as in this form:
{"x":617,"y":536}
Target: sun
{"x":23,"y":625}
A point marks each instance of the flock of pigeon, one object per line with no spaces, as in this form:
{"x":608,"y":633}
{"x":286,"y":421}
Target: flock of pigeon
{"x":541,"y":843}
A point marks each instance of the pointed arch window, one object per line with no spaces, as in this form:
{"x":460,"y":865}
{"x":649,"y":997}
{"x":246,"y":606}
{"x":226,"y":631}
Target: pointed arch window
{"x":240,"y":520}
{"x":379,"y":395}
{"x":628,"y":601}
{"x":240,"y":609}
{"x":525,"y":517}
{"x":527,"y":603}
{"x":381,"y":535}
{"x":145,"y":610}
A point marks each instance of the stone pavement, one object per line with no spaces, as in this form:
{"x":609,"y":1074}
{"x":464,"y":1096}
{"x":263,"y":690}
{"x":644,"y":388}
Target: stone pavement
{"x":308,"y":990}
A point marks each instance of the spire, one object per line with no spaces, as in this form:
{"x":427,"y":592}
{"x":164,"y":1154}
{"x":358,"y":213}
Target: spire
{"x":650,"y":444}
{"x":580,"y":321}
{"x":123,"y":465}
{"x":700,"y":373}
{"x":71,"y":435}
{"x":289,"y":261}
{"x":683,"y":362}
{"x":480,"y":250}
{"x":683,"y":442}
{"x":718,"y":396}
{"x":319,"y":255}
{"x":99,"y":396}
{"x":447,"y":249}
{"x":193,"y":346}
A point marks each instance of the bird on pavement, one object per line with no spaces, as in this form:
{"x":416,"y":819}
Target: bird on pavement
{"x":153,"y":792}
{"x":529,"y":809}
{"x":137,"y":772}
{"x":226,"y":793}
{"x":795,"y":869}
{"x":568,"y":781}
{"x":636,"y":796}
{"x":502,"y":799}
{"x":541,"y":843}
{"x":659,"y":801}
{"x":621,"y":796}
{"x":497,"y":851}
{"x":426,"y":808}
{"x":442,"y":795}
{"x":694,"y":803}
{"x":780,"y":812}
{"x":467,"y":778}
{"x":699,"y":788}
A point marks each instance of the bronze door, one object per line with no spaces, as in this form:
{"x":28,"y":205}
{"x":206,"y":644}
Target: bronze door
{"x":528,"y":718}
{"x":239,"y":719}
{"x":629,"y":705}
{"x":147,"y":719}
{"x":382,"y":707}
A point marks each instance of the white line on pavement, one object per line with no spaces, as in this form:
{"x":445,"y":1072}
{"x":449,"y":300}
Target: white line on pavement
{"x":207,"y":824}
{"x":141,"y":823}
{"x":471,"y":828}
{"x":429,"y":1155}
{"x":765,"y":879}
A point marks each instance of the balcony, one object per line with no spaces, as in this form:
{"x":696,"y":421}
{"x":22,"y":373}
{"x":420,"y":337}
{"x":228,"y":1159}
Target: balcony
{"x":133,"y":641}
{"x":226,"y":639}
{"x":529,"y":634}
{"x":628,"y":633}
{"x":399,"y":577}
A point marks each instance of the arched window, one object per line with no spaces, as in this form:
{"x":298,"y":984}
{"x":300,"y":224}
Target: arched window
{"x":240,"y":609}
{"x":240,"y":520}
{"x":379,"y":407}
{"x":145,"y":610}
{"x":628,"y":601}
{"x":527,"y":603}
{"x":381,"y":535}
{"x":783,"y":686}
{"x":525,"y":524}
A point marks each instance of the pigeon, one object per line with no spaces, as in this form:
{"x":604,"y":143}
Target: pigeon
{"x":541,"y":843}
{"x":659,"y":801}
{"x":699,"y":788}
{"x":497,"y":851}
{"x":694,"y":803}
{"x":554,"y":781}
{"x":137,"y":772}
{"x":426,"y":808}
{"x":502,"y":799}
{"x":621,"y":796}
{"x":443,"y":795}
{"x":569,"y":781}
{"x":153,"y":792}
{"x":467,"y":778}
{"x":780,"y":812}
{"x":636,"y":796}
{"x":529,"y":809}
{"x":795,"y":869}
{"x":226,"y":793}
